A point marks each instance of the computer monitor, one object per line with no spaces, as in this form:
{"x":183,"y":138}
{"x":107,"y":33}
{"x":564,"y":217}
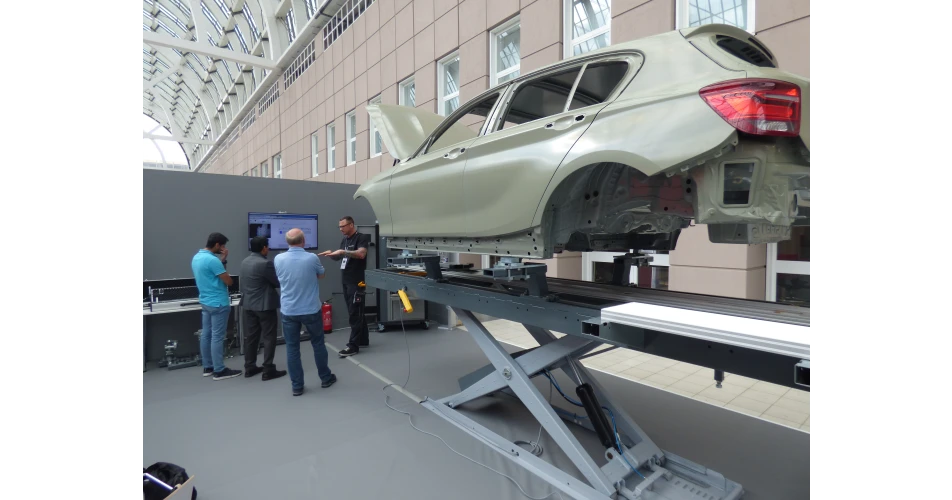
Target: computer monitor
{"x":275,"y":226}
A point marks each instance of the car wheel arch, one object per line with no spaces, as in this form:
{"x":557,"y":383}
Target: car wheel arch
{"x":573,"y":168}
{"x":589,"y":196}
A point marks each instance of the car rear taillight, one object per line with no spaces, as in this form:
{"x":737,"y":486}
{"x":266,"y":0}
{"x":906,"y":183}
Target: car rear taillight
{"x":757,"y":106}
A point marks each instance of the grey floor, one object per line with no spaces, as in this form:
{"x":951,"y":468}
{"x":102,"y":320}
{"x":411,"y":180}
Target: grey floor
{"x":244,"y":438}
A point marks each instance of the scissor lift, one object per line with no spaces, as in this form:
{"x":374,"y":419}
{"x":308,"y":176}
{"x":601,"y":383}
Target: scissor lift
{"x":632,"y":465}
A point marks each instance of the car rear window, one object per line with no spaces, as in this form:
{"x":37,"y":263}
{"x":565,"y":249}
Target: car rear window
{"x":748,"y":50}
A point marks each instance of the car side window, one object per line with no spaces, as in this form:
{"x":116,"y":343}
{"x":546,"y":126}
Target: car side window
{"x":540,"y":97}
{"x":466,"y":125}
{"x":597,"y":83}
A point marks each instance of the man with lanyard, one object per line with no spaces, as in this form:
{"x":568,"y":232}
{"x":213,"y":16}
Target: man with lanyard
{"x":353,"y":257}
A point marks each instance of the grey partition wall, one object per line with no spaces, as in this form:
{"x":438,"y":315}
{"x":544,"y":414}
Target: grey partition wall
{"x":180,"y":209}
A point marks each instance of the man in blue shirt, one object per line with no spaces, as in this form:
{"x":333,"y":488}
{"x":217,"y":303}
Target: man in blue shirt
{"x":208,"y":267}
{"x":298,"y":272}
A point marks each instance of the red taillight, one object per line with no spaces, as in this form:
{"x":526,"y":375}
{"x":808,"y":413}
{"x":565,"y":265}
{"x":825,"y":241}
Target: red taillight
{"x":756,"y":106}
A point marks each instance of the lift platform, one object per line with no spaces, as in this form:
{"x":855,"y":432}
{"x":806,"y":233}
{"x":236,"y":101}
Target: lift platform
{"x":760,"y":340}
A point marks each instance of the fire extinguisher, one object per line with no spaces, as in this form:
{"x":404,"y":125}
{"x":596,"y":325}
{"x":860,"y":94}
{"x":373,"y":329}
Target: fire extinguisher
{"x":326,"y":316}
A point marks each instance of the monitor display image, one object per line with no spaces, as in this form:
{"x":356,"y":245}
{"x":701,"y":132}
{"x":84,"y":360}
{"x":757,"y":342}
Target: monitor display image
{"x":275,"y":226}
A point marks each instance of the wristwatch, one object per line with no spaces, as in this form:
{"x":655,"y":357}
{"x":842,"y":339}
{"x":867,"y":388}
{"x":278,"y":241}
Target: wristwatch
{"x":224,"y":262}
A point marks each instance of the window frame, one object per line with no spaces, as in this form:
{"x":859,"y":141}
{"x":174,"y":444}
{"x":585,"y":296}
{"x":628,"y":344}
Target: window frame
{"x":634,"y":59}
{"x":373,"y":130}
{"x":777,"y":266}
{"x":331,"y":147}
{"x":350,"y":133}
{"x":494,"y":74}
{"x":401,"y":98}
{"x":315,"y":157}
{"x":567,"y":17}
{"x":277,"y":166}
{"x":265,"y":171}
{"x":254,"y":171}
{"x":682,"y":18}
{"x":441,"y":98}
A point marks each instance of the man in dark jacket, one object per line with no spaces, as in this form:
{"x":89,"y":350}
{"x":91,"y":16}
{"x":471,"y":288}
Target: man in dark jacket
{"x":259,"y":302}
{"x":353,"y":256}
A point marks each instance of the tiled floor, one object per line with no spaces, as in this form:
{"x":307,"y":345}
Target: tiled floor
{"x":775,"y":403}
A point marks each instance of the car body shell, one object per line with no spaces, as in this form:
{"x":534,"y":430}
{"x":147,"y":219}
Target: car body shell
{"x":524,"y":190}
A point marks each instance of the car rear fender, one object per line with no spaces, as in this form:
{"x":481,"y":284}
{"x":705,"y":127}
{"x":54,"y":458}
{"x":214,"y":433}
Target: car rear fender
{"x":654,"y":135}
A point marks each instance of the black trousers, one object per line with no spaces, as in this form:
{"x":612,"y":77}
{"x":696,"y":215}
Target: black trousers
{"x":260,"y":326}
{"x":354,"y":298}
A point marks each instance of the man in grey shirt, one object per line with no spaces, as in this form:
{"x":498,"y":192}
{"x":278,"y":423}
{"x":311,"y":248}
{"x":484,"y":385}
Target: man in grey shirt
{"x":259,"y":304}
{"x":298,"y":272}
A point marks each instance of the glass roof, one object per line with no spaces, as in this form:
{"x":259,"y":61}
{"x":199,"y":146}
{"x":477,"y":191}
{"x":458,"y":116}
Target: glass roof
{"x":186,"y":91}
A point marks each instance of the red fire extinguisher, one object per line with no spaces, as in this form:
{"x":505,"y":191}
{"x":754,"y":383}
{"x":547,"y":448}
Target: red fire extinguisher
{"x":326,"y":316}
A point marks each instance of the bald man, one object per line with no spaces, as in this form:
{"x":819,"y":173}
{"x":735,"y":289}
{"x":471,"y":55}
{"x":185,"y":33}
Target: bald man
{"x":298,"y":272}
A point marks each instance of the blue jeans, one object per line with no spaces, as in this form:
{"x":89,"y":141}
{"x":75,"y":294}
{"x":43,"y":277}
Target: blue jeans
{"x":292,"y":339}
{"x":212,"y":341}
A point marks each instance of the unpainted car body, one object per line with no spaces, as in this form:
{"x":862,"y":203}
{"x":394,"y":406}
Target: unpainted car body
{"x":691,"y":124}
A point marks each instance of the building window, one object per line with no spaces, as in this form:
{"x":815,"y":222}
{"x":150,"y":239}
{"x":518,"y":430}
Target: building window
{"x":589,"y":26}
{"x":376,"y":142}
{"x":504,"y":53}
{"x":408,"y":93}
{"x":264,"y":169}
{"x":331,"y":148}
{"x":276,"y":161}
{"x":314,"y":150}
{"x":254,"y":172}
{"x":350,"y":127}
{"x":739,"y":13}
{"x":448,"y":85}
{"x":788,"y":268}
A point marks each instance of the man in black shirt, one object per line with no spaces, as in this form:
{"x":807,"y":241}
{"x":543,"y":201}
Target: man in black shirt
{"x":353,"y":257}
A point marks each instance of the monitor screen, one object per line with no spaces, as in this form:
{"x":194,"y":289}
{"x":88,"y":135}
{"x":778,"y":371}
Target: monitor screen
{"x":275,"y":226}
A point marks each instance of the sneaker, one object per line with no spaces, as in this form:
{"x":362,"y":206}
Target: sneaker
{"x":350,"y":351}
{"x":325,"y":385}
{"x":297,"y":392}
{"x":207,"y":371}
{"x":226,"y":373}
{"x":251,"y":372}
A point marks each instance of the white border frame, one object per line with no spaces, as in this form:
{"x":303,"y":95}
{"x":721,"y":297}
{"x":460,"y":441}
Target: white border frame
{"x":681,"y":17}
{"x":373,"y":130}
{"x":265,"y":171}
{"x":440,"y":86}
{"x":401,"y":100}
{"x":331,"y":147}
{"x":351,"y":130}
{"x":568,"y":41}
{"x":315,"y":156}
{"x":493,"y":74}
{"x":776,"y":266}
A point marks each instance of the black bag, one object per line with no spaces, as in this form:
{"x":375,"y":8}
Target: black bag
{"x":169,"y":474}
